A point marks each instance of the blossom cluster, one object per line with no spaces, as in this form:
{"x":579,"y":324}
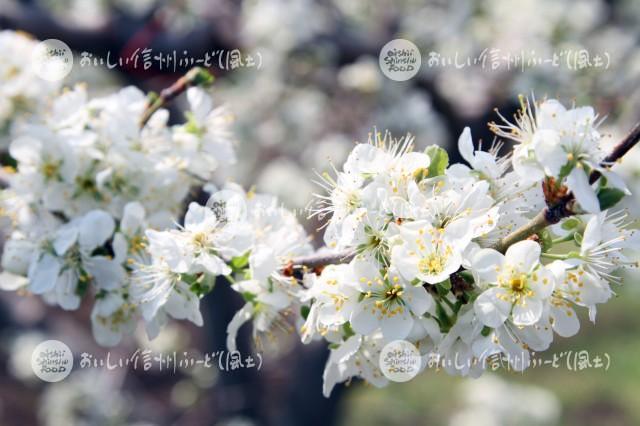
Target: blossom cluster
{"x":22,"y":92}
{"x":416,"y":248}
{"x":429,"y":266}
{"x":89,"y":178}
{"x":245,"y":238}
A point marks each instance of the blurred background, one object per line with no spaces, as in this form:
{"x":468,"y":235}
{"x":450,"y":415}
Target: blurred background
{"x":316,"y":88}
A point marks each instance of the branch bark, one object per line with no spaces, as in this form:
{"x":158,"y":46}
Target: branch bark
{"x":320,"y":260}
{"x":194,"y":77}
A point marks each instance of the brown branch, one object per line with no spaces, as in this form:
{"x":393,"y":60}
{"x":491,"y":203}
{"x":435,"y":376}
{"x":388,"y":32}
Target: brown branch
{"x":551,"y":215}
{"x":194,"y":77}
{"x":320,"y":260}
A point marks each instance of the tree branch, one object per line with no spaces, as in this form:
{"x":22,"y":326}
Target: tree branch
{"x":320,"y":260}
{"x":551,"y":215}
{"x":194,"y":77}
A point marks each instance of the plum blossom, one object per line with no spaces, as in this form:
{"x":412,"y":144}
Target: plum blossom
{"x":516,"y":284}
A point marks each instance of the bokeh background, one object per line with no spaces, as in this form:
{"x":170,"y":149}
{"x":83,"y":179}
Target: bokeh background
{"x":319,"y":88}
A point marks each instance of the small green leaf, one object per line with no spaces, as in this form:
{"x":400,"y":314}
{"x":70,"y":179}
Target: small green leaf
{"x":248,"y":297}
{"x":439,"y":160}
{"x":565,"y":170}
{"x":578,"y":238}
{"x":609,"y":197}
{"x":348,"y":331}
{"x":444,"y":287}
{"x":486,"y":331}
{"x":200,"y":77}
{"x":570,"y":224}
{"x":304,"y":311}
{"x":240,"y":262}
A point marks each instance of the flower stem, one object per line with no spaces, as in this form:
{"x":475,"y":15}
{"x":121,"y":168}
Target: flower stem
{"x":554,"y":256}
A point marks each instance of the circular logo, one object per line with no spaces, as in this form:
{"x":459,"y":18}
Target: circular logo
{"x":400,"y":59}
{"x":52,"y":60}
{"x":400,"y":361}
{"x":52,"y":360}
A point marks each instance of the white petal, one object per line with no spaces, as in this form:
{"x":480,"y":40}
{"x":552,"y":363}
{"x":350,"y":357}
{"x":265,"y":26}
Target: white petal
{"x":104,"y":332}
{"x":363,"y":321}
{"x":197,"y":214}
{"x":262,"y":263}
{"x":346,"y":349}
{"x":593,"y":232}
{"x":66,"y":237}
{"x":491,"y":310}
{"x":66,"y":287}
{"x":107,"y":273}
{"x":465,"y":146}
{"x":396,"y":327}
{"x":542,"y":283}
{"x":120,"y":247}
{"x":132,"y":219}
{"x":549,"y":152}
{"x":565,"y":320}
{"x":199,"y":103}
{"x":524,"y":255}
{"x":17,"y":256}
{"x":96,"y":228}
{"x":11,"y":282}
{"x":407,"y":265}
{"x":578,"y":183}
{"x":213,"y":264}
{"x":486,"y":263}
{"x":26,"y":150}
{"x":418,"y":299}
{"x":528,"y":312}
{"x":43,"y":274}
{"x":184,"y":305}
{"x":241,"y":317}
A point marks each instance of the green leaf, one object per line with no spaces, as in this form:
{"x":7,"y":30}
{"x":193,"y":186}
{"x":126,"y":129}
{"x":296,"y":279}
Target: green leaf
{"x":485,"y":331}
{"x":578,"y":238}
{"x":467,"y":276}
{"x":565,"y":170}
{"x":439,"y":160}
{"x":238,"y":263}
{"x":348,"y":331}
{"x":609,"y":197}
{"x":200,"y":77}
{"x":192,"y":126}
{"x":570,"y":224}
{"x":443,"y":318}
{"x":304,"y":311}
{"x":248,"y":297}
{"x":444,"y":287}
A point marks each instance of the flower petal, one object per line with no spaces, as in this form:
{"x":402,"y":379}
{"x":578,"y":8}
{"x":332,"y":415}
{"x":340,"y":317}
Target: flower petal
{"x":491,"y":307}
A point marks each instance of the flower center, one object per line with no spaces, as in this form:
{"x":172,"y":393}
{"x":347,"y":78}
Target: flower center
{"x":137,"y":244}
{"x":200,"y":239}
{"x":50,"y":170}
{"x":518,"y":283}
{"x":393,"y":292}
{"x":432,"y":264}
